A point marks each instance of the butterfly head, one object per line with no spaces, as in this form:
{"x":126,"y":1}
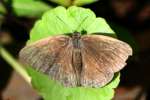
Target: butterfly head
{"x":76,"y":35}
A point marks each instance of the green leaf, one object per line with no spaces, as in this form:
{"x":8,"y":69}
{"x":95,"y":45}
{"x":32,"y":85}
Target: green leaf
{"x":61,"y":21}
{"x":52,"y":90}
{"x":29,"y":8}
{"x":73,"y":2}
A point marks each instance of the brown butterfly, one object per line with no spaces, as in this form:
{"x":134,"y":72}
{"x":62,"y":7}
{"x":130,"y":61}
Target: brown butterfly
{"x":87,"y":60}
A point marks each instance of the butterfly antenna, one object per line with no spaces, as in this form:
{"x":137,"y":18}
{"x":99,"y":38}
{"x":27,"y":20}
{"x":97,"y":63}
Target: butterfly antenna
{"x":70,"y":27}
{"x":64,"y":23}
{"x":82,"y":23}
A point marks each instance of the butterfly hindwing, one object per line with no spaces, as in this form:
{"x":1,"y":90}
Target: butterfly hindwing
{"x":102,"y":56}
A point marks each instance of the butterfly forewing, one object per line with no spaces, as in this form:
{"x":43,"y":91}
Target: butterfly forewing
{"x":102,"y":57}
{"x":52,"y":56}
{"x":62,"y":69}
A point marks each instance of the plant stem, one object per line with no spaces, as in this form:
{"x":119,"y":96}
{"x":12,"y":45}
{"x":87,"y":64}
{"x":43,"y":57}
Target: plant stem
{"x":16,"y":66}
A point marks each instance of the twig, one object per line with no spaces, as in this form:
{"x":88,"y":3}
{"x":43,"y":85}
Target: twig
{"x":16,"y":66}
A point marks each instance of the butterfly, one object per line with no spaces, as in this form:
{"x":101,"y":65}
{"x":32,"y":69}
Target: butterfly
{"x":77,"y":60}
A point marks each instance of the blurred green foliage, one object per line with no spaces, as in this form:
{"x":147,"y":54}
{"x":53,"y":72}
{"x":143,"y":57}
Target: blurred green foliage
{"x":73,"y":2}
{"x":35,"y":8}
{"x":2,"y":9}
{"x":29,"y":8}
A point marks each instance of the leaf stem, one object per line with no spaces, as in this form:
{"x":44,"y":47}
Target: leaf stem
{"x":16,"y":66}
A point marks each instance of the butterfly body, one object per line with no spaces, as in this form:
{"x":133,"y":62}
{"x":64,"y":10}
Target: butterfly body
{"x":76,"y":56}
{"x":77,"y":60}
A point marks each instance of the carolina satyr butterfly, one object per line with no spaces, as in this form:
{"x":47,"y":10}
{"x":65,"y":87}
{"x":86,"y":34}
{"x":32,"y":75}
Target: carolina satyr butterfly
{"x":87,"y":60}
